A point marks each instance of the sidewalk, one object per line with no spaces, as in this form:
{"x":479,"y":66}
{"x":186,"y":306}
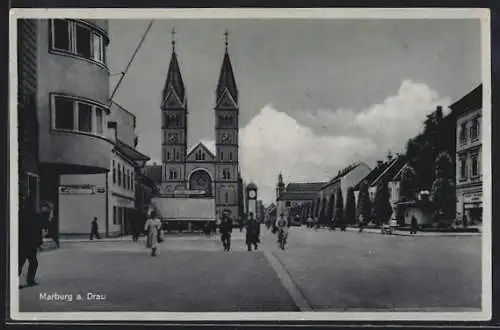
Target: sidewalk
{"x":407,"y":233}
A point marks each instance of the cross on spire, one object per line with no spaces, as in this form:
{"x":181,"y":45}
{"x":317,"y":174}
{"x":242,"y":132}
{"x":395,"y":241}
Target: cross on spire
{"x":173,"y":38}
{"x":226,"y":35}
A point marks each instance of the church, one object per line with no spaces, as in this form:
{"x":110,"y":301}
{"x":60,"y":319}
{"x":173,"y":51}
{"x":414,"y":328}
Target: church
{"x":195,"y":172}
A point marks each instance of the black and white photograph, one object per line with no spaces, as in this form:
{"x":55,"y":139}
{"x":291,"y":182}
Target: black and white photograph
{"x":257,"y":164}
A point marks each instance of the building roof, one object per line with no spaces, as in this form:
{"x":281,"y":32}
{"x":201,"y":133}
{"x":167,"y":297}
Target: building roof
{"x":174,"y":80}
{"x":153,"y":172}
{"x":392,"y":168}
{"x":304,"y":186}
{"x":226,"y":79}
{"x":194,"y":147}
{"x":341,"y":174}
{"x":472,"y":101}
{"x":130,"y":152}
{"x":251,"y":185}
{"x":297,"y":196}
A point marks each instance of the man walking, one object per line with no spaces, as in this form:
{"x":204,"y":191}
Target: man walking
{"x":225,"y":229}
{"x":252,"y":233}
{"x":94,"y":231}
{"x":30,"y":239}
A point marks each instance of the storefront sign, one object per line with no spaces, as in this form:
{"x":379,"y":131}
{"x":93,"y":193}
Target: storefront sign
{"x":77,"y":189}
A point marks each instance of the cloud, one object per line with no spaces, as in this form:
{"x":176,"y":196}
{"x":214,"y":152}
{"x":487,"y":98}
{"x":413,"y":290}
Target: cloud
{"x":313,"y":145}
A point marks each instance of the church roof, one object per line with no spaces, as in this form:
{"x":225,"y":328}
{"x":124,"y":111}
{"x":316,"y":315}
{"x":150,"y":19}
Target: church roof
{"x":304,"y":186}
{"x":195,"y":146}
{"x":174,"y":80}
{"x":227,"y":80}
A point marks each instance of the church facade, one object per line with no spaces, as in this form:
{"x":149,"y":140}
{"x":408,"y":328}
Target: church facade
{"x":196,"y":172}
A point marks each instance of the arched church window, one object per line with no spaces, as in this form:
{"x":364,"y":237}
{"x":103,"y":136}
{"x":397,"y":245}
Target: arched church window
{"x":203,"y":156}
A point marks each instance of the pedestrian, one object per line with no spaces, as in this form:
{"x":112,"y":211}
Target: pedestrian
{"x":30,"y":239}
{"x":252,"y":234}
{"x":465,"y":221}
{"x":94,"y":230}
{"x":225,"y":230}
{"x":49,"y":223}
{"x":309,"y":222}
{"x":414,"y":225}
{"x":316,"y":223}
{"x":154,"y":233}
{"x":282,"y":224}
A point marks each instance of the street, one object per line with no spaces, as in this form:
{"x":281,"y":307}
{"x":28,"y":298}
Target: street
{"x":319,"y":270}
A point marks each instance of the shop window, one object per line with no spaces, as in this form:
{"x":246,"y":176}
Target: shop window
{"x":78,"y":39}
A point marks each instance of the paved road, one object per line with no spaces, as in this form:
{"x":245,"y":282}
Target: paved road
{"x":319,"y":270}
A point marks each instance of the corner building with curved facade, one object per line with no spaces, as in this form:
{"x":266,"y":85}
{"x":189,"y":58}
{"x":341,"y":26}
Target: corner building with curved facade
{"x":72,"y":96}
{"x":196,"y":169}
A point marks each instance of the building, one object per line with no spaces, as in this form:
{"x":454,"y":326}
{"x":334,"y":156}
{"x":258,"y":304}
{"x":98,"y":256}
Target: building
{"x":109,"y":196}
{"x":468,"y":114}
{"x":28,"y":167}
{"x":64,"y":91}
{"x":328,"y":193}
{"x":296,"y":198}
{"x":387,"y":172}
{"x":196,"y":172}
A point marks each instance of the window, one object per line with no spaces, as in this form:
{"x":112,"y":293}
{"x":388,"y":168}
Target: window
{"x":474,"y":129}
{"x":463,"y":133}
{"x":172,"y":174}
{"x":226,"y":197}
{"x":463,"y":168}
{"x":230,"y":156}
{"x":84,"y":117}
{"x":474,"y":166}
{"x":64,"y":113}
{"x":126,"y":185}
{"x":75,"y":115}
{"x":78,"y":39}
{"x":33,"y":191}
{"x":114,"y":172}
{"x":119,"y":175}
{"x":115,"y":215}
{"x":203,"y":156}
{"x":99,"y":121}
{"x":226,"y":175}
{"x":60,"y":34}
{"x":221,"y":155}
{"x":124,"y":178}
{"x":168,"y":155}
{"x":132,"y":181}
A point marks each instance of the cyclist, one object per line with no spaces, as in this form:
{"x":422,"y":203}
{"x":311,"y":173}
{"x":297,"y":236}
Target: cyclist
{"x":282,"y":228}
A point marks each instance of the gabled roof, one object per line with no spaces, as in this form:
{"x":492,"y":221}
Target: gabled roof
{"x":342,"y":173}
{"x":130,"y":152}
{"x":472,"y":101}
{"x":226,"y":79}
{"x":195,"y":147}
{"x":375,"y":173}
{"x":174,"y":80}
{"x":393,"y":167}
{"x":304,"y":186}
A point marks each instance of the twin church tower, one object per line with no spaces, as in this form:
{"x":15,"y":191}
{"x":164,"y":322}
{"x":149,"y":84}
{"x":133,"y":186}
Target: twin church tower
{"x":197,"y":169}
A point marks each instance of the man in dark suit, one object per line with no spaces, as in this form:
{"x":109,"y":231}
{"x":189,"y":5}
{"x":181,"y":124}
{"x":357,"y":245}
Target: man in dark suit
{"x":225,"y":229}
{"x":30,"y":239}
{"x":252,"y":233}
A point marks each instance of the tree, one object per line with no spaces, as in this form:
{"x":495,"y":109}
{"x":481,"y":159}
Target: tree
{"x":382,"y":207}
{"x":443,"y":191}
{"x":364,"y":204}
{"x":350,"y":207}
{"x":407,"y":183}
{"x":339,"y":209}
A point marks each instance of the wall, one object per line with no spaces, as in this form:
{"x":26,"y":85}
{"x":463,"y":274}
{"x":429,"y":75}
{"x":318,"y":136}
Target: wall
{"x":126,"y":124}
{"x":76,"y":211}
{"x":394,"y":196}
{"x":75,"y":76}
{"x":353,"y":178}
{"x":422,"y":217}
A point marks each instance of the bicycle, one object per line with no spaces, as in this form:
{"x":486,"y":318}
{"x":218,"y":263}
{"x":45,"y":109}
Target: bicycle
{"x":281,"y":239}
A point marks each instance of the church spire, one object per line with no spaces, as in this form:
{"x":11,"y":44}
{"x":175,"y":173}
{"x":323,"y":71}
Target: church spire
{"x":174,"y":80}
{"x":226,"y":76}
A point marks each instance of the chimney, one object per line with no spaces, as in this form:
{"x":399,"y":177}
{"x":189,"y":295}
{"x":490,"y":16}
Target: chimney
{"x":379,"y":163}
{"x":389,"y":155}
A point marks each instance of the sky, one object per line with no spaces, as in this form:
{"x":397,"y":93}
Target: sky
{"x":315,"y":94}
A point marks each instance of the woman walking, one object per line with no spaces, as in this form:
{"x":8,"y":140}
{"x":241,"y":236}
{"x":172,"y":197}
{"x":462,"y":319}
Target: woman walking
{"x":154,"y":232}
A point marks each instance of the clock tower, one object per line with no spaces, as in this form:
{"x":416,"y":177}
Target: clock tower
{"x":174,"y":127}
{"x":226,"y":139}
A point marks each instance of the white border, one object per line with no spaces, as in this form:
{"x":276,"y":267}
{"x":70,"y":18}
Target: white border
{"x":317,"y":13}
